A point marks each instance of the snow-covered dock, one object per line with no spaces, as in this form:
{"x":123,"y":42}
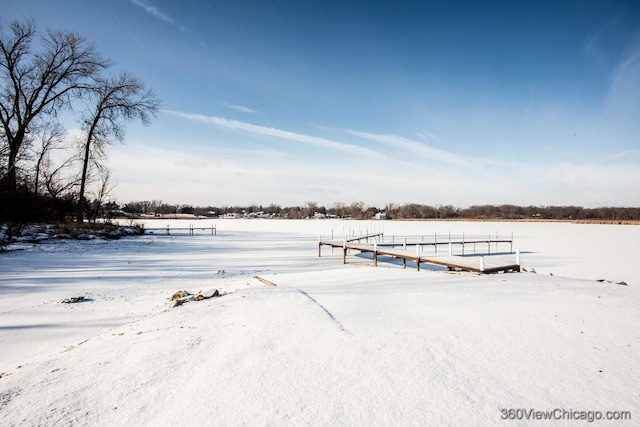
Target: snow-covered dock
{"x":480,"y":264}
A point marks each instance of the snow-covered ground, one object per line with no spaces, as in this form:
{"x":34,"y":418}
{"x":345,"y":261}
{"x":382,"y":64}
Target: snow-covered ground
{"x":331,"y":344}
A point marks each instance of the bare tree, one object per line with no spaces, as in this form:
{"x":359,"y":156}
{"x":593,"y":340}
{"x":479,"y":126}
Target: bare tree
{"x":310,"y":209}
{"x":50,"y":138}
{"x":41,"y":82}
{"x":338,"y":209}
{"x":60,"y":184}
{"x":102,"y":191}
{"x":116,"y":100}
{"x":356,"y":210}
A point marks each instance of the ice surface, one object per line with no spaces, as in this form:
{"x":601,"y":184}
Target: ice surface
{"x":331,"y":344}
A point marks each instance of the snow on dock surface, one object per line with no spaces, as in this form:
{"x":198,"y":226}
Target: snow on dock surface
{"x":478,"y":264}
{"x":331,"y":344}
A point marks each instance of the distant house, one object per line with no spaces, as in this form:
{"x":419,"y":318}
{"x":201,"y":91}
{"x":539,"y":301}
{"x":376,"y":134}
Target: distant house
{"x":231,"y":215}
{"x":118,"y":213}
{"x":381,"y":215}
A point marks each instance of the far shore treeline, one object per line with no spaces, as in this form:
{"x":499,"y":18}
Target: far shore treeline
{"x":359,"y":210}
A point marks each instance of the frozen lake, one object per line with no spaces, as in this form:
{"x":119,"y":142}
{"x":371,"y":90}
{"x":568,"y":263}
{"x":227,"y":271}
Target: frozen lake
{"x":331,"y":344}
{"x":588,"y":251}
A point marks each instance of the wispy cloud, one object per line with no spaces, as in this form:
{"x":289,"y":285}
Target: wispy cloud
{"x":264,"y":176}
{"x":595,"y":45}
{"x":157,"y":13}
{"x":240,"y":108}
{"x":623,"y":96}
{"x":274,"y":132}
{"x":624,"y":155}
{"x":412,"y":147}
{"x":427,"y":135}
{"x":389,"y":169}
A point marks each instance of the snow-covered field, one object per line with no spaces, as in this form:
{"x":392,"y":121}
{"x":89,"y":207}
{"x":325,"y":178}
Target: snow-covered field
{"x":331,"y":344}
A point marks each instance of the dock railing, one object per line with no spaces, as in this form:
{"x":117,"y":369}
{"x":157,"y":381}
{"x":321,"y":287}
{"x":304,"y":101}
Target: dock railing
{"x":450,"y":241}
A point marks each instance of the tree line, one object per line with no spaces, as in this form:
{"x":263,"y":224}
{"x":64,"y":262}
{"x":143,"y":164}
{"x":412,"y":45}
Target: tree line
{"x":44,"y":173}
{"x":359,"y":210}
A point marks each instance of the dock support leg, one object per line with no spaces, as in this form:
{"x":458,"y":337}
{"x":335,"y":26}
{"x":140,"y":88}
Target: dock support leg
{"x":404,"y":263}
{"x":375,"y":253}
{"x":462,"y":244}
{"x":344,"y":251}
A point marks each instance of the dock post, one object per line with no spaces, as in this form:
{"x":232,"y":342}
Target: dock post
{"x":404,"y":243}
{"x":375,"y":253}
{"x":344,"y":251}
{"x":435,"y":242}
{"x":168,"y":230}
{"x":450,"y":248}
{"x":319,"y":249}
{"x":463,"y":243}
{"x":482,"y":263}
{"x":518,"y":257}
{"x":418,"y":257}
{"x":512,"y":242}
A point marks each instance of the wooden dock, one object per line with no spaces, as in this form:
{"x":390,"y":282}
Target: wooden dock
{"x":478,"y":264}
{"x":191,"y":229}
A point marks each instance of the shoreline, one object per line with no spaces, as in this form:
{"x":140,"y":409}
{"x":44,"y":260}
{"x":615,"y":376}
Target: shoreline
{"x":520,"y":220}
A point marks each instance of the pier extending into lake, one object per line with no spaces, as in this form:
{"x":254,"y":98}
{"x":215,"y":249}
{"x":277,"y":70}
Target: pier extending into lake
{"x":484,"y":262}
{"x":190,"y":230}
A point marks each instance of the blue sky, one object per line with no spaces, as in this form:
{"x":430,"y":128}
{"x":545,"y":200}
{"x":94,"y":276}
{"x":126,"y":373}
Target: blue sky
{"x":434,"y":102}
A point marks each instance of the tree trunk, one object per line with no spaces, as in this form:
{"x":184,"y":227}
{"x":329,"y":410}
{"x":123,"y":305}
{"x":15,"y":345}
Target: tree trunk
{"x":12,"y":209}
{"x":85,"y":165}
{"x":83,"y":180}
